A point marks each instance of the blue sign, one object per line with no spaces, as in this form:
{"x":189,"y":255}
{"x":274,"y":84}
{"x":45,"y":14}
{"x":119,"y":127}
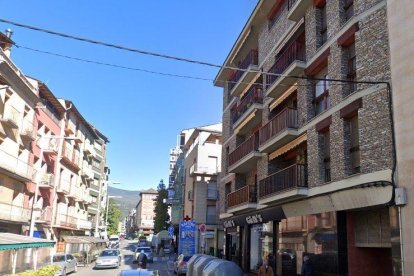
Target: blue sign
{"x":171,"y":230}
{"x":187,"y":238}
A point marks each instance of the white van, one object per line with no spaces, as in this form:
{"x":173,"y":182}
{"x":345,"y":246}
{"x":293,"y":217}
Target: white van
{"x":113,"y":241}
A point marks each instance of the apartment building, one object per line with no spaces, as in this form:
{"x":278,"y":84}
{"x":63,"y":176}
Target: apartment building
{"x":202,"y":163}
{"x":18,"y":99}
{"x":144,"y":216}
{"x":307,"y":161}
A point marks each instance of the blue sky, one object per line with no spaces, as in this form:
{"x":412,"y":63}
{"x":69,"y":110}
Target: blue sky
{"x":140,"y":113}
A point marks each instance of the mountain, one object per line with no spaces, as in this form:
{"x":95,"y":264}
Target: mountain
{"x":127,"y":201}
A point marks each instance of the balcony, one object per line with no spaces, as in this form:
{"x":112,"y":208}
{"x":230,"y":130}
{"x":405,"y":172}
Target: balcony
{"x":288,"y":183}
{"x":245,"y":156}
{"x":86,"y":198}
{"x":297,"y":9}
{"x":64,"y":187}
{"x":26,"y":132}
{"x":11,"y":212}
{"x":241,"y":79}
{"x":47,"y":181}
{"x":291,"y":62}
{"x":70,"y":128}
{"x":203,"y":169}
{"x":15,"y":167}
{"x":74,"y":191}
{"x":282,"y":129}
{"x":10,"y":117}
{"x":66,"y":221}
{"x":84,"y":224}
{"x":70,"y":158}
{"x":51,"y":147}
{"x":248,"y":111}
{"x":242,"y":199}
{"x":44,"y":215}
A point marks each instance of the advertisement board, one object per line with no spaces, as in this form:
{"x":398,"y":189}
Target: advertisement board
{"x":187,"y":233}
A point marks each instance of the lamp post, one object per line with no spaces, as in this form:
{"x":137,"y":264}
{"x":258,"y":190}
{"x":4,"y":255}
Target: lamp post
{"x":36,"y":194}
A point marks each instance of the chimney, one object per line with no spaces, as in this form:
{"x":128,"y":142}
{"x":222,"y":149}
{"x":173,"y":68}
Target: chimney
{"x":7,"y":46}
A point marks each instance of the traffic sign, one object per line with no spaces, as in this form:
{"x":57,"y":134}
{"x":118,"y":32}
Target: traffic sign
{"x":202,"y":228}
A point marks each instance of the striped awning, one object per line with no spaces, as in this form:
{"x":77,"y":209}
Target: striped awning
{"x":283,"y":97}
{"x":289,"y":146}
{"x":9,"y":241}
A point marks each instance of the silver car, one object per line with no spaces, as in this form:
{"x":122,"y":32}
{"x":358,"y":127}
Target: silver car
{"x":109,"y":258}
{"x":66,"y":262}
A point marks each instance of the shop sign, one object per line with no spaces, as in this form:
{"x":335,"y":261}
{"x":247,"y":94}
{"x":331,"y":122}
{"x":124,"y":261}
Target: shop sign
{"x":229,"y":223}
{"x":187,"y":234}
{"x":254,"y":219}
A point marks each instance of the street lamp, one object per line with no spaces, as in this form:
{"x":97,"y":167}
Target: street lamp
{"x":41,"y":143}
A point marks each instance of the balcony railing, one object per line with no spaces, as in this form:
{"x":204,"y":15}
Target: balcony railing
{"x":11,"y":212}
{"x":203,"y":169}
{"x":291,"y":177}
{"x":287,"y":118}
{"x":26,"y":132}
{"x":10,"y":117}
{"x":64,"y":186}
{"x":245,"y":195}
{"x":254,"y":95}
{"x":84,"y":224}
{"x":250,"y":145}
{"x":14,"y":165}
{"x":250,"y":59}
{"x":71,"y":157}
{"x":295,"y":51}
{"x":66,"y":220}
{"x":70,"y":127}
{"x":47,"y":180}
{"x":45,"y":215}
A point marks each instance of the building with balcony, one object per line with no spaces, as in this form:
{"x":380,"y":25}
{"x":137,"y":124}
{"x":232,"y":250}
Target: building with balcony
{"x":307,"y":158}
{"x":202,"y":164}
{"x":144,"y":216}
{"x":18,"y":98}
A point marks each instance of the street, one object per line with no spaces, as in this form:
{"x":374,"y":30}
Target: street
{"x":127,"y":248}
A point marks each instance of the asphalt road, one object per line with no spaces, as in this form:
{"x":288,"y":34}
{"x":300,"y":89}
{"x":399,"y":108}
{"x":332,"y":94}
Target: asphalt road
{"x":126,"y":248}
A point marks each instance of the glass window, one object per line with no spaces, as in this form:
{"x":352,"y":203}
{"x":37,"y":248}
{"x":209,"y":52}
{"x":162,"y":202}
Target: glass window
{"x":348,"y":9}
{"x":324,"y":26}
{"x":261,"y":245}
{"x":321,"y":100}
{"x":351,"y":67}
{"x":211,"y":214}
{"x":327,"y":156}
{"x":354,"y":149}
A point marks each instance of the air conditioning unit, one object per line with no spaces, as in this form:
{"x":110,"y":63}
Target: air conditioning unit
{"x":190,"y":195}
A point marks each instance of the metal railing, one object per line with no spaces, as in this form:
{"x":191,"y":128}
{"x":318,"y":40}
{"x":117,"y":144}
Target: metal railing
{"x":12,"y":212}
{"x":251,"y":144}
{"x":244,"y":195}
{"x":250,"y":59}
{"x":287,"y":118}
{"x":64,"y":186}
{"x":254,"y":95}
{"x":294,"y":176}
{"x":295,"y":51}
{"x":45,"y":214}
{"x":14,"y":165}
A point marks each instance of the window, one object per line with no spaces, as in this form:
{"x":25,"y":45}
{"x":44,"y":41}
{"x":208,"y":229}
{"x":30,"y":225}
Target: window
{"x":327,"y":155}
{"x":227,"y":190}
{"x":324,"y":26}
{"x":211,"y":214}
{"x":227,"y":156}
{"x":321,"y":100}
{"x":351,"y":67}
{"x":354,"y":147}
{"x":348,"y":9}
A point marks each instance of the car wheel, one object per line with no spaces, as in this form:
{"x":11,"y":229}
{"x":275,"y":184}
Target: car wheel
{"x":64,"y":272}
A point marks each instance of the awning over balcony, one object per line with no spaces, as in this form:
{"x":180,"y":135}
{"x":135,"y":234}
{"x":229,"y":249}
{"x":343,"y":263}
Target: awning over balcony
{"x":283,"y":97}
{"x":289,"y":146}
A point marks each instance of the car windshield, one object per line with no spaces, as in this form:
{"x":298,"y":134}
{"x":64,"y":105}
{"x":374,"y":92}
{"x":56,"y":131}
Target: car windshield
{"x":109,"y":253}
{"x":113,"y":239}
{"x":146,"y":249}
{"x":186,"y":258}
{"x":58,"y":258}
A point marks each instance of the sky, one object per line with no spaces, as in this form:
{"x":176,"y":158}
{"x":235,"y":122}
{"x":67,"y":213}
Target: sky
{"x":140,"y":113}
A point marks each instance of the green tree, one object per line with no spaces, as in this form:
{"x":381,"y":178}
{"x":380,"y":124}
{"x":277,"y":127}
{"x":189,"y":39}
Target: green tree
{"x":114,"y":217}
{"x":161,"y":209}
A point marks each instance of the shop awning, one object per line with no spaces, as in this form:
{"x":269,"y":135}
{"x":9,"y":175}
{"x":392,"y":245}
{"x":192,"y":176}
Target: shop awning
{"x":284,"y":96}
{"x":289,"y":146}
{"x":9,"y":241}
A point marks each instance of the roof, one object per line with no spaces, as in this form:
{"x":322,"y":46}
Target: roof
{"x":82,"y":239}
{"x":48,"y":95}
{"x":9,"y":241}
{"x":214,"y":128}
{"x":79,"y":116}
{"x":149,"y":191}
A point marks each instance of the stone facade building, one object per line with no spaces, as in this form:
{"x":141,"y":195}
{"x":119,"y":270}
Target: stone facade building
{"x":308,"y":157}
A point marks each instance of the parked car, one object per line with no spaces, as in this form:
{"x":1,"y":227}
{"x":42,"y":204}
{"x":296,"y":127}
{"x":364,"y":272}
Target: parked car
{"x":66,"y":262}
{"x":168,"y":249}
{"x":109,"y":258}
{"x":147,"y":251}
{"x":180,"y":266}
